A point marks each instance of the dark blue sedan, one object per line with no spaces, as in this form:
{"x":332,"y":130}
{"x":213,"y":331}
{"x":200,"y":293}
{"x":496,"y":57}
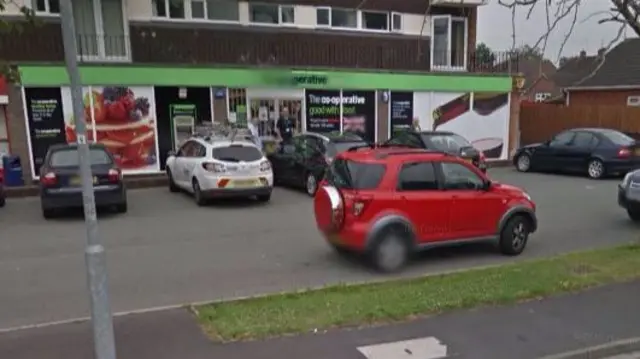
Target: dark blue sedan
{"x":596,"y":152}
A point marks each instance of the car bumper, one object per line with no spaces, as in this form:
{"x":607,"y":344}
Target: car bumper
{"x":622,"y":166}
{"x":58,"y":198}
{"x":213,"y":183}
{"x":237,"y":192}
{"x":629,"y":198}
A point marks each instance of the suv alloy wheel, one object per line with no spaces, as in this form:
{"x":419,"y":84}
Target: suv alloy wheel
{"x":390,"y":251}
{"x":514,"y":235}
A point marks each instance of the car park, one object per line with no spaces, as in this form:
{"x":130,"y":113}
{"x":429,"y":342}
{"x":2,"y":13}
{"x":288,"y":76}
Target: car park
{"x":61,"y":186}
{"x":302,"y":162}
{"x":596,"y":152}
{"x":629,"y":194}
{"x":388,"y":203}
{"x":211,"y":167}
{"x":445,"y":141}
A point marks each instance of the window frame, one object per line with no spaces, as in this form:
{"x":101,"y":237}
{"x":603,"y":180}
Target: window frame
{"x":47,"y":8}
{"x":279,"y":7}
{"x":450,"y":20}
{"x":471,"y":170}
{"x":392,"y":17}
{"x":281,"y":17}
{"x":568,"y":132}
{"x":361,"y":22}
{"x":328,"y":10}
{"x":356,"y":28}
{"x":188,"y":14}
{"x":592,"y":143}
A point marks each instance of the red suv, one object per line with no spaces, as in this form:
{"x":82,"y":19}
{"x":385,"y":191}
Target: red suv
{"x":387,"y":203}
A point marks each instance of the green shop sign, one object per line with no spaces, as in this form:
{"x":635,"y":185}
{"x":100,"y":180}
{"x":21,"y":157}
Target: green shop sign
{"x":265,"y":78}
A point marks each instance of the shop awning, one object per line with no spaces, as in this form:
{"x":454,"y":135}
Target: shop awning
{"x":4,"y":94}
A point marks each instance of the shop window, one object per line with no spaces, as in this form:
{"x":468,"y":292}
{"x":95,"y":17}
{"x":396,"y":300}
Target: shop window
{"x":271,"y":14}
{"x":46,"y":6}
{"x":215,"y":10}
{"x":171,"y":9}
{"x":373,"y":20}
{"x":449,"y":43}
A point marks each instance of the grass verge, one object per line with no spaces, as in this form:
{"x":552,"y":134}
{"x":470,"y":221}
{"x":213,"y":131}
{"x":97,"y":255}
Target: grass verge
{"x":397,"y":300}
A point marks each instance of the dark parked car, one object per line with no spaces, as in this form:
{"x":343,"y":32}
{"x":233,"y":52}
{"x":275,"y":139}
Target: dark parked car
{"x":629,"y":194}
{"x":595,"y":151}
{"x":60,"y":184}
{"x":302,"y":162}
{"x":3,"y":195}
{"x":448,"y":142}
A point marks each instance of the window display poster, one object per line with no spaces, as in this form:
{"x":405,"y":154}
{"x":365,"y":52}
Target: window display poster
{"x":401,"y":107}
{"x":323,"y":111}
{"x":45,"y":121}
{"x":166,"y":98}
{"x":183,"y":117}
{"x":359,"y":113}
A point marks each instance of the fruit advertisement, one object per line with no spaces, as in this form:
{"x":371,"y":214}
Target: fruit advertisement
{"x":121,"y":118}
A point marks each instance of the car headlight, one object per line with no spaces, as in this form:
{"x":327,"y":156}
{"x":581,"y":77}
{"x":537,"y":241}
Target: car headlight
{"x":626,"y":179}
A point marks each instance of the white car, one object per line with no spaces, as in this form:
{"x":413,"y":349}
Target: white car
{"x":220,"y":167}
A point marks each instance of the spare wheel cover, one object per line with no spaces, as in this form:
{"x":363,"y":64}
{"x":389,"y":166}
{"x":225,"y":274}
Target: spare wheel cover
{"x":326,"y":201}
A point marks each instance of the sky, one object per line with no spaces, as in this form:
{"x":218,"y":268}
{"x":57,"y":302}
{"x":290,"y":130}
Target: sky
{"x":587,"y":35}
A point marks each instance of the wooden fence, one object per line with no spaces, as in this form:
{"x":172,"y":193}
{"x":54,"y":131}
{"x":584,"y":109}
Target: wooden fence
{"x":539,"y":123}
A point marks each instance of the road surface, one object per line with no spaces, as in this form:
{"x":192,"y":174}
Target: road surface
{"x":167,"y":251}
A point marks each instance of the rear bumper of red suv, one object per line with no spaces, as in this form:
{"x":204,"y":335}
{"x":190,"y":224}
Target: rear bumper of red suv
{"x":348,"y":238}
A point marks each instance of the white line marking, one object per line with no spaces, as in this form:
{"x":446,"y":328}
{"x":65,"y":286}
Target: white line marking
{"x":423,"y":348}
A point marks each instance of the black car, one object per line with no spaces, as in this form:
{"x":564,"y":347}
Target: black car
{"x":595,"y":151}
{"x":629,"y":194}
{"x":448,"y":142}
{"x":61,"y":187}
{"x":302,"y":162}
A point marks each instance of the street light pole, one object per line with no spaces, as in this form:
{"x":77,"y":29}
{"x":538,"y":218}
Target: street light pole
{"x":95,"y":257}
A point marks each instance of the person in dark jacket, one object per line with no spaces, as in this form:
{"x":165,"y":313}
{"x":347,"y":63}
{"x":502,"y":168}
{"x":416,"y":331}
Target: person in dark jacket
{"x":284,"y":126}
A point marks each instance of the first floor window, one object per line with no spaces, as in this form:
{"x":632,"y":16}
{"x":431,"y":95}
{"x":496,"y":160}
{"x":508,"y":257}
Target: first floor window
{"x":449,"y":42}
{"x":173,"y":9}
{"x":396,"y":22}
{"x":287,"y":14}
{"x":217,"y":10}
{"x":542,"y":96}
{"x":373,"y":20}
{"x":344,"y":18}
{"x":264,"y":13}
{"x":323,"y":16}
{"x":46,"y":6}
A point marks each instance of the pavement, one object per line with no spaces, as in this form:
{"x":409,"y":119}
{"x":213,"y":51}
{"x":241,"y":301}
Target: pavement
{"x":168,"y":251}
{"x":525,"y":331}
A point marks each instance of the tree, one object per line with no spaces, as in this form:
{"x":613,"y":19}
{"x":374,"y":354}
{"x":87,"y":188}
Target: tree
{"x":528,"y":52}
{"x":10,"y":28}
{"x":484,"y":55}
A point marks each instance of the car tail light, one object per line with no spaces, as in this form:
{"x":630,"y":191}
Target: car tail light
{"x":360,"y":204}
{"x":624,"y":152}
{"x":213,"y":167}
{"x":265,"y":166}
{"x":115,"y":175}
{"x":49,"y":179}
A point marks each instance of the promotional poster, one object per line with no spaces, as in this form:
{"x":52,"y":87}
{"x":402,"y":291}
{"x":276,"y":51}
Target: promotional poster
{"x":359,"y":113}
{"x":401,"y":111}
{"x":45,"y":120}
{"x":323,"y":111}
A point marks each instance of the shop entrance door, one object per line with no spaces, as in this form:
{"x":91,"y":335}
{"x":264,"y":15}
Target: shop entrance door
{"x":266,"y":111}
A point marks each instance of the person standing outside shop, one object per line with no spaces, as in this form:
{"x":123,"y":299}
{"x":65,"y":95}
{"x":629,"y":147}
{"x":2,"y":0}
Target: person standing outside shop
{"x":284,"y":127}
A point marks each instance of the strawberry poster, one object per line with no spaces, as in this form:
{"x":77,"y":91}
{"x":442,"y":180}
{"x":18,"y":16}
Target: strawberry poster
{"x":121,"y":118}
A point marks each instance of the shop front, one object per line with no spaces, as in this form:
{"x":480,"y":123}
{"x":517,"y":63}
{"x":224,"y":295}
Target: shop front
{"x":141,"y":113}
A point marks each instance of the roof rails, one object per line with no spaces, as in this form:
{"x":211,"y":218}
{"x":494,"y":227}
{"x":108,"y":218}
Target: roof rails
{"x":410,"y":152}
{"x":378,"y":145}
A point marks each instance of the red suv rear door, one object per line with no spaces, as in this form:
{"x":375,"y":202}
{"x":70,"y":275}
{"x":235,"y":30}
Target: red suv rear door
{"x":422,"y":201}
{"x":474,"y":211}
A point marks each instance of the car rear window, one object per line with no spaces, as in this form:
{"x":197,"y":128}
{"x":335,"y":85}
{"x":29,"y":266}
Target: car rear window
{"x":618,"y":138}
{"x":349,"y":174}
{"x":69,"y":158}
{"x":236,"y":153}
{"x":337,"y":147}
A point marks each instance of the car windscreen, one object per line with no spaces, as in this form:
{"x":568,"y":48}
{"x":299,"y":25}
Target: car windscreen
{"x":236,"y":153}
{"x":618,"y":138}
{"x":337,"y":147}
{"x":448,"y":143}
{"x":349,"y":174}
{"x":69,"y":158}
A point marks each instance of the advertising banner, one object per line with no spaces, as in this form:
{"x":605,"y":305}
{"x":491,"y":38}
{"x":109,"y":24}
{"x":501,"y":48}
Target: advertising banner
{"x":401,"y":108}
{"x":323,"y":111}
{"x":359,"y":113}
{"x":45,"y":121}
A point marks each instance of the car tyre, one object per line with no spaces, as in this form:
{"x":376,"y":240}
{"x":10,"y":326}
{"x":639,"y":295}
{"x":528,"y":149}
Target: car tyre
{"x":311,"y":184}
{"x":172,"y":184}
{"x":595,"y":169}
{"x":391,"y":250}
{"x":122,"y":207}
{"x":634,"y":214}
{"x":514,"y":235}
{"x":48,"y":213}
{"x":264,"y":198}
{"x":523,"y":163}
{"x":197,"y":193}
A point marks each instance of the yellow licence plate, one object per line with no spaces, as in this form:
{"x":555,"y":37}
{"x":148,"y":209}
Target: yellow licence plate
{"x":245,"y":183}
{"x":75,"y":181}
